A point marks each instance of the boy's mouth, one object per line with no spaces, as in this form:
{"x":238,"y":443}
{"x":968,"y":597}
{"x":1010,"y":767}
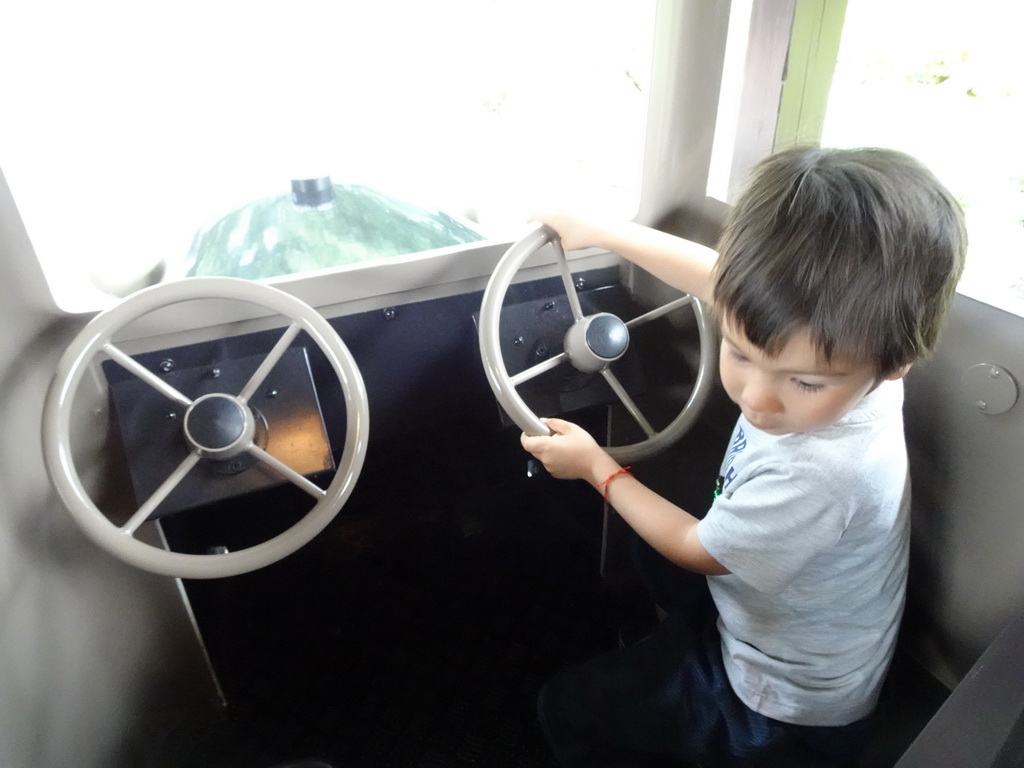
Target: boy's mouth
{"x":764,"y":425}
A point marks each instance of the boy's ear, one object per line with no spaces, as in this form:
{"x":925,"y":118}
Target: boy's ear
{"x":899,"y":374}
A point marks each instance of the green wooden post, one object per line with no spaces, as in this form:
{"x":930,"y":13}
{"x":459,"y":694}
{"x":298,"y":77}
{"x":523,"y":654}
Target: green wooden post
{"x":814,"y":47}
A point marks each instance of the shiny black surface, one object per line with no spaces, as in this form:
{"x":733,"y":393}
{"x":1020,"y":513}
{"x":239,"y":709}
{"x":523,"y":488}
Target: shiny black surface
{"x":150,"y":427}
{"x":607,"y":336}
{"x":215,"y":422}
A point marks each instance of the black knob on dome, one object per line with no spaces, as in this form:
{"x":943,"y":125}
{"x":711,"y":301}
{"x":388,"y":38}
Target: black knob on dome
{"x":214,"y":423}
{"x":607,"y":336}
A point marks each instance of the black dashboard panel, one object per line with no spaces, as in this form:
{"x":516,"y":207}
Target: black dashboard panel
{"x":289,"y":424}
{"x":420,"y":363}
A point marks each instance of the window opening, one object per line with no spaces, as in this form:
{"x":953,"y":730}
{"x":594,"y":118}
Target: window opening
{"x":942,"y":81}
{"x":128,"y":126}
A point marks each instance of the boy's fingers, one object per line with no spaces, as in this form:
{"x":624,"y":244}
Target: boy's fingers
{"x":531,"y":442}
{"x":558,"y":426}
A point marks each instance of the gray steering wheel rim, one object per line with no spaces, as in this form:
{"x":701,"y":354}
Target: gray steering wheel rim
{"x":514,"y":405}
{"x":73,"y":366}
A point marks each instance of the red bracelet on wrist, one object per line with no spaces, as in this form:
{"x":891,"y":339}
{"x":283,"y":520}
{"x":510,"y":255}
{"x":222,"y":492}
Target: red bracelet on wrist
{"x":607,"y":481}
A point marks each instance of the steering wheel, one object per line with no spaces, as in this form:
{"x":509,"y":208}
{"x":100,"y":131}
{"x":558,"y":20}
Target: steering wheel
{"x":215,"y":426}
{"x":591,"y":344}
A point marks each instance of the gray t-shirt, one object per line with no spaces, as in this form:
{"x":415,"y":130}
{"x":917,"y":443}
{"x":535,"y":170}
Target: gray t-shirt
{"x":815,"y":530}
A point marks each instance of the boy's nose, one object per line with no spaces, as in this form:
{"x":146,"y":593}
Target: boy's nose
{"x":761,"y":397}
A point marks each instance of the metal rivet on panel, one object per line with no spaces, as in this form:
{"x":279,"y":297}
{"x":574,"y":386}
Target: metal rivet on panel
{"x":989,"y":388}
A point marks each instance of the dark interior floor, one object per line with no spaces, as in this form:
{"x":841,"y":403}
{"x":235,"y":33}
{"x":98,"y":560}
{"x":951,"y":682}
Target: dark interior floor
{"x":912,"y":698}
{"x":418,"y":628}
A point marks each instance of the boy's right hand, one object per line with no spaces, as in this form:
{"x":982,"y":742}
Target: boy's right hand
{"x":681,"y":263}
{"x":574,"y":230}
{"x":569,"y":452}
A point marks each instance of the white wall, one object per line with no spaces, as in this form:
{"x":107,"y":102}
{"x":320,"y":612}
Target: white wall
{"x":86,"y":643}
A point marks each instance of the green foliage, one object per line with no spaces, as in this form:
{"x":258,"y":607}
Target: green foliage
{"x":939,"y":69}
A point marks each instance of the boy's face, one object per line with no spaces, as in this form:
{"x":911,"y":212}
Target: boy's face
{"x":794,"y":391}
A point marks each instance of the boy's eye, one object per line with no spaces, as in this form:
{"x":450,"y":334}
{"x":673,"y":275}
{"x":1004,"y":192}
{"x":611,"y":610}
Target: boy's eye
{"x":737,"y":356}
{"x":808,"y":386}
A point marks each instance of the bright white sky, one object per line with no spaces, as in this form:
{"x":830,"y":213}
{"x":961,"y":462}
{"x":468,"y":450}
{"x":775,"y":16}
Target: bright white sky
{"x":967,"y":128}
{"x":128,"y":125}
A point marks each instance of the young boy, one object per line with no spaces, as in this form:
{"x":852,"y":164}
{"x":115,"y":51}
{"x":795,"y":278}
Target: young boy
{"x":832,"y":277}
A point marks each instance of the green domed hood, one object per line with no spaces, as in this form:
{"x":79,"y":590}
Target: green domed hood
{"x":319,"y":225}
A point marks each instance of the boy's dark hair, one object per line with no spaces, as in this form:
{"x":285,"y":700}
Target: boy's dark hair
{"x":863,"y":247}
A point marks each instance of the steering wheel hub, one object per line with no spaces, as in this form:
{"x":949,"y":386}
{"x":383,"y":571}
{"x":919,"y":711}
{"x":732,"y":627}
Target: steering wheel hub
{"x":595,"y":342}
{"x":218,"y":426}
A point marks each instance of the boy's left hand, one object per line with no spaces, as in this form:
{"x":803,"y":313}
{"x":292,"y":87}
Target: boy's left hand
{"x":570,"y":453}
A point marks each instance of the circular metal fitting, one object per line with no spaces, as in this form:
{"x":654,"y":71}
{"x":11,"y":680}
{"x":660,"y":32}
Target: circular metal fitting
{"x":218,"y":426}
{"x":595,"y":342}
{"x":989,"y":388}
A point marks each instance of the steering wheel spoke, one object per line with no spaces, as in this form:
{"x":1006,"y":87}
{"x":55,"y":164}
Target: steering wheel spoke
{"x":567,"y":280}
{"x":287,"y":472}
{"x":536,"y":370}
{"x":161,"y":493}
{"x":661,"y":311}
{"x":627,"y":401}
{"x":130,"y":365}
{"x":268,"y":363}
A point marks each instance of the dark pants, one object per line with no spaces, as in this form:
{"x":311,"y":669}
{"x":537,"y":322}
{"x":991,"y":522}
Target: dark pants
{"x":666,"y":700}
